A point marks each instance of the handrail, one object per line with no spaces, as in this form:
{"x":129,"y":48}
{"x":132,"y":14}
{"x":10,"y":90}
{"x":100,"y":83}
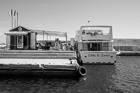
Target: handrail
{"x":35,"y":47}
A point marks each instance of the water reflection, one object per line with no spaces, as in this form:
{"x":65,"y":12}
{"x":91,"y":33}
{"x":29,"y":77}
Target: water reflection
{"x":36,"y":85}
{"x":98,"y":79}
{"x":127,"y":74}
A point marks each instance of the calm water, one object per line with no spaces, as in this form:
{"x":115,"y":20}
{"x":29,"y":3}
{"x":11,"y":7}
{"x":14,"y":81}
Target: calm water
{"x":123,"y":77}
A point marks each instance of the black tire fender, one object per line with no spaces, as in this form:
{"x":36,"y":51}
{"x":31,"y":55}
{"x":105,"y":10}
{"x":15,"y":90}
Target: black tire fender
{"x":82,"y":71}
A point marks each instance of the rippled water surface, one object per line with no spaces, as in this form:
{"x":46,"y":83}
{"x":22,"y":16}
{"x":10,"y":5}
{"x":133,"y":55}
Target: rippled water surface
{"x":123,"y":77}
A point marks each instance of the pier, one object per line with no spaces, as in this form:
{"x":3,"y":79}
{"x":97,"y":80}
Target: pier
{"x":128,"y":53}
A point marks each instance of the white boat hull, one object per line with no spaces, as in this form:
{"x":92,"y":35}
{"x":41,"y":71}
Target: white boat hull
{"x":95,"y":57}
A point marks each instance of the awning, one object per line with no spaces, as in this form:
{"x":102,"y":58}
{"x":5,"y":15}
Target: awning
{"x":16,"y":33}
{"x":51,"y":33}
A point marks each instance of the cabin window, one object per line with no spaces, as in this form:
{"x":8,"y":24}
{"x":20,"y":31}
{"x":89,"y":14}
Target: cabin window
{"x":94,"y":46}
{"x":105,"y":46}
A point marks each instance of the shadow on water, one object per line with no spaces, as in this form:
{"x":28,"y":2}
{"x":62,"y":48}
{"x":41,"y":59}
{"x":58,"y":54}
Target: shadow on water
{"x":97,"y":80}
{"x":123,"y":77}
{"x":32,"y":84}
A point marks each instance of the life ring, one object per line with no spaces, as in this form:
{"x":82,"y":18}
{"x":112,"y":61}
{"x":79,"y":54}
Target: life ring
{"x":82,"y":71}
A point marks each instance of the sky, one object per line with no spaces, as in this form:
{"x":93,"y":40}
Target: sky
{"x":69,"y":15}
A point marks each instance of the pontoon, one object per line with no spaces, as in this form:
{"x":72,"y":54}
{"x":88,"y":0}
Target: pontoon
{"x":22,"y":58}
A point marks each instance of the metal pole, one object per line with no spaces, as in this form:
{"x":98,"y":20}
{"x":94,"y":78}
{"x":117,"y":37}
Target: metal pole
{"x":14,"y":41}
{"x":47,"y":36}
{"x":11,"y":15}
{"x":43,"y":37}
{"x":12,"y":21}
{"x":17,"y":18}
{"x":15,"y":22}
{"x":27,"y":42}
{"x":66,"y":41}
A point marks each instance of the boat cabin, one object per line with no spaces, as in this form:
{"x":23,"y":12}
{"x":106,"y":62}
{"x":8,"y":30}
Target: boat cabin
{"x":90,"y":39}
{"x":20,"y":38}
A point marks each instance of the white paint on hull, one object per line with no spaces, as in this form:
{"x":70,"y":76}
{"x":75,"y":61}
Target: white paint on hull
{"x":64,"y":62}
{"x":98,"y":56}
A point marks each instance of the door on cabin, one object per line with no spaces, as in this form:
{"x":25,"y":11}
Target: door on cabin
{"x":20,"y":42}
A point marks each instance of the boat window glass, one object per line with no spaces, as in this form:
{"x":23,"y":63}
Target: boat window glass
{"x":105,"y":46}
{"x":94,"y":46}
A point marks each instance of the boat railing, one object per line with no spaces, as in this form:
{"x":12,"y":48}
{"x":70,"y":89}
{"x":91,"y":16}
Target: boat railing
{"x":36,"y":47}
{"x":94,"y":34}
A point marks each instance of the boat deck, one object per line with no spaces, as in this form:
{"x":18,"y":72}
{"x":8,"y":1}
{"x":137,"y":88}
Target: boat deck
{"x":37,"y":54}
{"x":33,"y":51}
{"x":38,"y":62}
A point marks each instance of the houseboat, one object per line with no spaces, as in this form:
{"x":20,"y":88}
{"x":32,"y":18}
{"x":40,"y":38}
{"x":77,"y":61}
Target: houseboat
{"x":22,"y":57}
{"x":94,"y":46}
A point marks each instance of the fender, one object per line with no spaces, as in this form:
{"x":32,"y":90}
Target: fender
{"x":82,"y":71}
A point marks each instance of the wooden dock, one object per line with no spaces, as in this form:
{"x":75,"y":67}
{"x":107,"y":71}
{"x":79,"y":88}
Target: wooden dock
{"x":128,"y":53}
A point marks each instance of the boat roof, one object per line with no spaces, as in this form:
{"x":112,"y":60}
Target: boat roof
{"x":96,"y":26}
{"x":16,"y":33}
{"x":20,"y":30}
{"x":51,"y":33}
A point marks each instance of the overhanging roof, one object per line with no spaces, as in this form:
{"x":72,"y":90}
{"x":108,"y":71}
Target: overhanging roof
{"x":20,"y":30}
{"x":16,"y":33}
{"x":51,"y":33}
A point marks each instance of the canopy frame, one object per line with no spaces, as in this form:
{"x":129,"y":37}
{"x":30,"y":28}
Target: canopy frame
{"x":51,"y":33}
